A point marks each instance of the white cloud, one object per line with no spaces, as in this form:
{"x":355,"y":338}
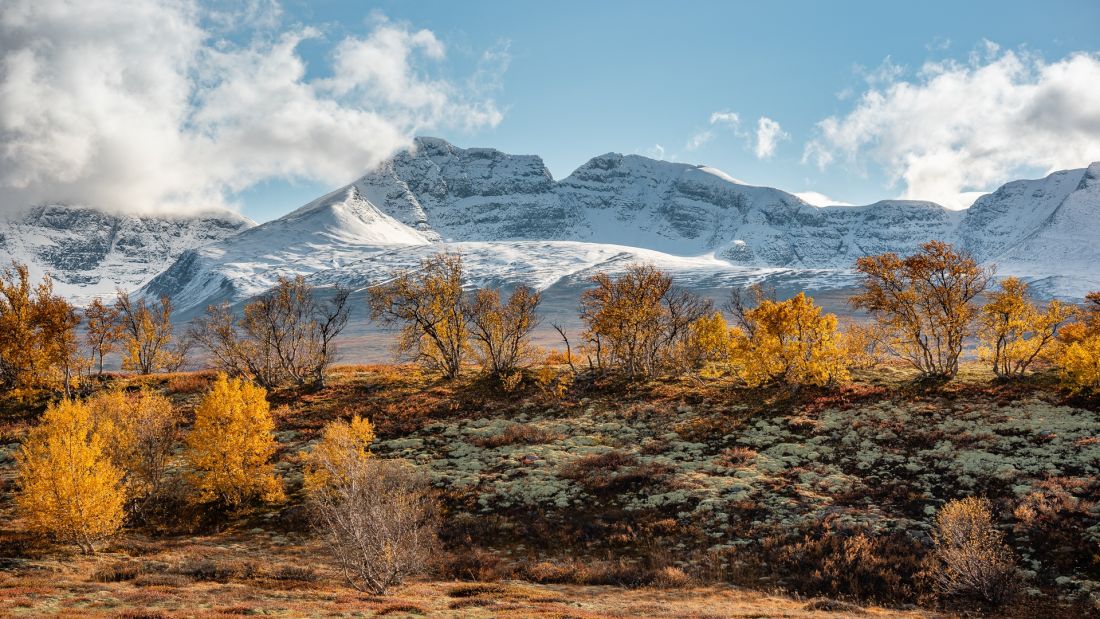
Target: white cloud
{"x":698,"y":140}
{"x":768,"y":136}
{"x":729,"y":119}
{"x":958,"y":128}
{"x":655,"y":152}
{"x":150,"y":108}
{"x":819,"y":199}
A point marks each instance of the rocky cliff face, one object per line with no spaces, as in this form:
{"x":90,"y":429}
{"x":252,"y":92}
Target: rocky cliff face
{"x":514,"y":222}
{"x":90,"y":253}
{"x":457,"y":194}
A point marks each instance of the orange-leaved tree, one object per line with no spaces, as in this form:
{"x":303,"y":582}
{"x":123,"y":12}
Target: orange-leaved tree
{"x":102,"y":330}
{"x":343,"y":445}
{"x":377,"y":516}
{"x":1079,"y":358}
{"x":139,"y":432}
{"x":68,"y":487}
{"x":147,"y":335}
{"x":789,"y":342}
{"x":501,"y":332}
{"x":636,"y":321}
{"x":923,"y":304}
{"x":38,"y":342}
{"x":427,"y":306}
{"x":230,"y":446}
{"x":1014,"y":331}
{"x":709,"y":346}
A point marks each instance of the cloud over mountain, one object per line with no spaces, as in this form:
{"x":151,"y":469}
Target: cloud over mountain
{"x":960,"y":127}
{"x":158,"y":107}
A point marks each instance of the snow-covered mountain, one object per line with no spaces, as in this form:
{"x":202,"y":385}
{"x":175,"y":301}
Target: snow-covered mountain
{"x":514,"y":222}
{"x":1045,"y":230}
{"x":90,"y":253}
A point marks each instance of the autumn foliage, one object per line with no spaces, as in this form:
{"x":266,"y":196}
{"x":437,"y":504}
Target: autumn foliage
{"x":426,"y":304}
{"x":500,"y":332}
{"x":789,"y":342}
{"x":970,"y":554}
{"x":147,"y":336}
{"x":635,"y":322}
{"x":230,"y":446}
{"x":1014,"y":331}
{"x":1080,"y":343}
{"x":343,"y":446}
{"x":924,"y":305}
{"x":710,"y":344}
{"x":138,"y":431}
{"x":69,"y":489}
{"x":38,"y":341}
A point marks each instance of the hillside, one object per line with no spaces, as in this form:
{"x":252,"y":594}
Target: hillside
{"x":690,"y":498}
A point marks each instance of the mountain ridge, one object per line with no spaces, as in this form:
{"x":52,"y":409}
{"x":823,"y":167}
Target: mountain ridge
{"x":90,"y":252}
{"x":514,"y":222}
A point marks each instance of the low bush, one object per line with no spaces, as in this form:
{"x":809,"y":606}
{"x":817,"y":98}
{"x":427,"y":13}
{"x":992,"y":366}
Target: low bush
{"x":117,"y":572}
{"x":476,"y":589}
{"x":671,"y":577}
{"x":517,"y":434}
{"x":298,"y":573}
{"x":853,"y":564}
{"x":619,"y":573}
{"x":613,"y":471}
{"x":971,"y":557}
{"x":400,"y":608}
{"x":474,"y":564}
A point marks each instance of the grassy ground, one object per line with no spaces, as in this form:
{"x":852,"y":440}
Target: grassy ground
{"x":674,"y":498}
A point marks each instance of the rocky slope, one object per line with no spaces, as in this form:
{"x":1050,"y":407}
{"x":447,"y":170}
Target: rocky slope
{"x":90,"y":253}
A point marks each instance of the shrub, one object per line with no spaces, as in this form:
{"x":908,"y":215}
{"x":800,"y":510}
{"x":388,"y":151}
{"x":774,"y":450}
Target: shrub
{"x":378,"y":520}
{"x":474,"y":590}
{"x":117,"y":572}
{"x":709,"y":345}
{"x":501,"y":332}
{"x":343,"y":446}
{"x":612,"y":471}
{"x":231,"y":444}
{"x":298,"y":573}
{"x":790,"y":342}
{"x":475,"y":564}
{"x":637,"y":321}
{"x":38,"y":344}
{"x":1080,"y":364}
{"x":1014,"y":331}
{"x":518,"y":434}
{"x":856,"y":565}
{"x":427,"y":305}
{"x":284,"y":337}
{"x":147,"y":335}
{"x":972,"y":558}
{"x":671,"y":577}
{"x":69,"y":489}
{"x":140,"y":430}
{"x":192,"y":382}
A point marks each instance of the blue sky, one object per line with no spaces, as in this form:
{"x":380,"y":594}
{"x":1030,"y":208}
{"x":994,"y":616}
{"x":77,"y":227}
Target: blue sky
{"x":931,"y":100}
{"x":586,"y":78}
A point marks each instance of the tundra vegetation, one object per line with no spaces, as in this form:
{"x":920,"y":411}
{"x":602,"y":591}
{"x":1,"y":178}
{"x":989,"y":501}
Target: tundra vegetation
{"x":942,"y":456}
